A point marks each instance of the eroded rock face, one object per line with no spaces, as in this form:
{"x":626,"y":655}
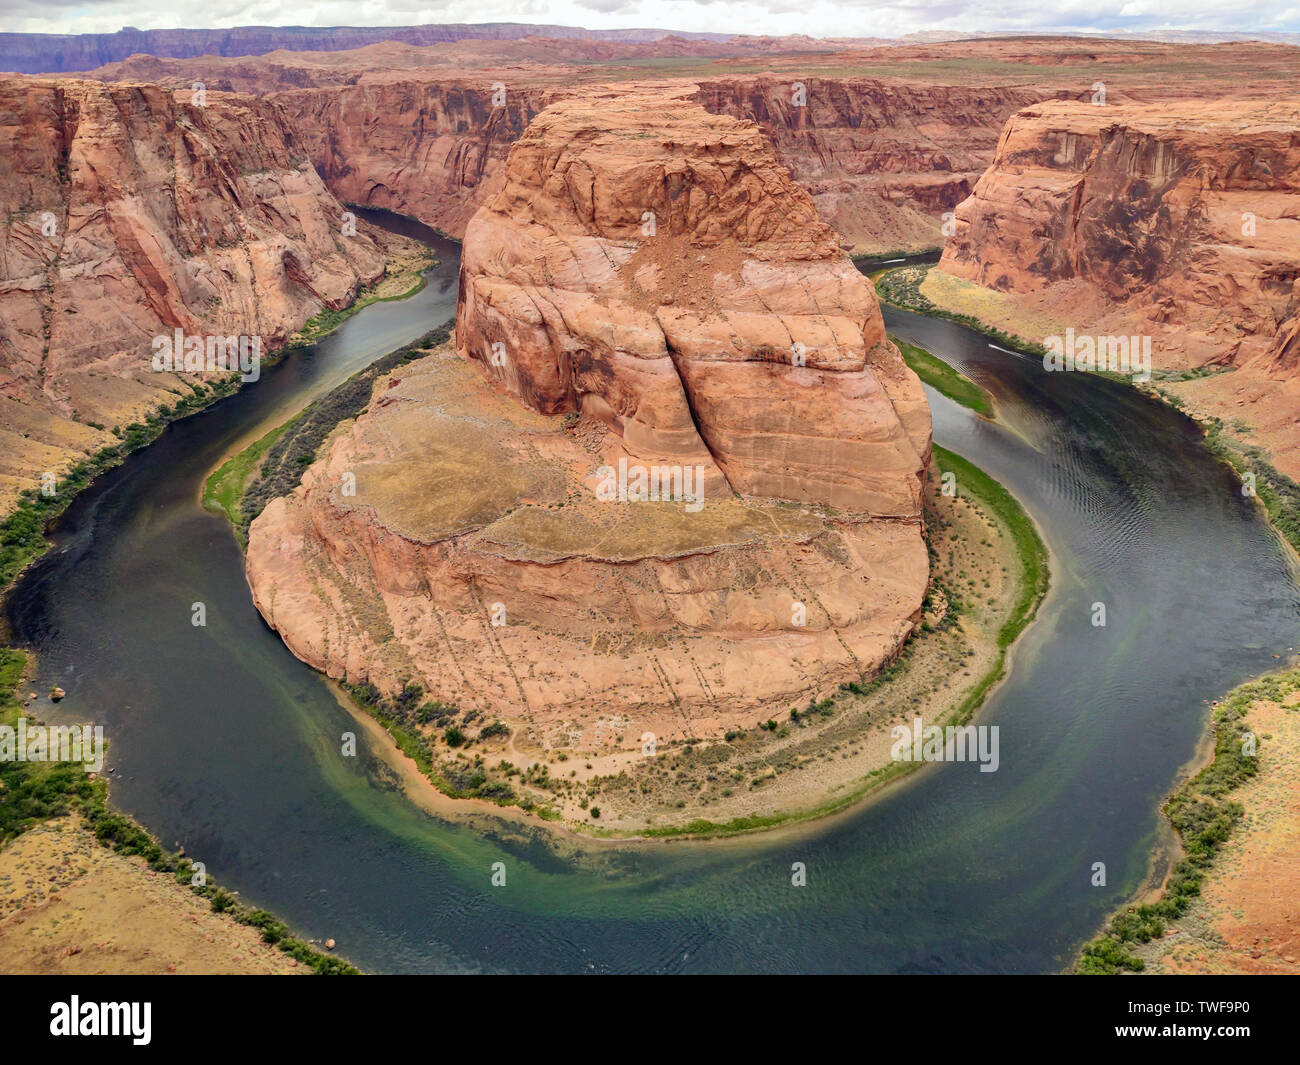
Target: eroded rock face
{"x":1188,"y":220}
{"x":431,"y":149}
{"x":135,"y":212}
{"x":1169,"y":221}
{"x":479,"y":555}
{"x":882,"y":160}
{"x":653,"y":266}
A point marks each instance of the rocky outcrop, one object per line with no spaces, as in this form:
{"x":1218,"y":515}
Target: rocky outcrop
{"x":1186,"y":223}
{"x":1176,"y":222}
{"x":135,"y":212}
{"x":666,"y":276}
{"x":649,"y":291}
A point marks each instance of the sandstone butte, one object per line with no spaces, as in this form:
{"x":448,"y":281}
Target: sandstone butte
{"x":134,"y":212}
{"x":474,"y":556}
{"x":1176,"y":222}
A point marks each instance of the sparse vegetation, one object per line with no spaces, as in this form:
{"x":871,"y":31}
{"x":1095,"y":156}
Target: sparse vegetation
{"x":1278,"y":492}
{"x":1204,"y":817}
{"x":32,"y":792}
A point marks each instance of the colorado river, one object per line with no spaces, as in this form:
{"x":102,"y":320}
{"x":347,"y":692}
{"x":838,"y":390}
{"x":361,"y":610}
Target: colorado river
{"x":224,"y":742}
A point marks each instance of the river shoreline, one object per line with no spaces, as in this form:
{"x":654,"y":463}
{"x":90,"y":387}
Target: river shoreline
{"x":1108,"y":951}
{"x":66,"y":812}
{"x":413,"y":749}
{"x":129,"y":837}
{"x":1234,"y":453}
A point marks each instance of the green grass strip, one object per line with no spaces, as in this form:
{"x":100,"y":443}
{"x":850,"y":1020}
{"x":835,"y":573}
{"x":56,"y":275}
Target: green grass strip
{"x":944,"y":379}
{"x":224,"y":490}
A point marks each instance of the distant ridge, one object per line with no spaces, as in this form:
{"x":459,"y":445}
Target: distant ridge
{"x":53,"y":53}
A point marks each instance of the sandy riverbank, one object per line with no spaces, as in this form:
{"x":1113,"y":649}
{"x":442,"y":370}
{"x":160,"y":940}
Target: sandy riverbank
{"x":1247,"y":918}
{"x":71,"y":906}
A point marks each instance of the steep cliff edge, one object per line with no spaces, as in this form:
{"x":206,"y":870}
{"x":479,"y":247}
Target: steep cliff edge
{"x":432,"y":150}
{"x":1172,"y":222}
{"x":136,"y":212}
{"x":882,"y":160}
{"x":648,"y":303}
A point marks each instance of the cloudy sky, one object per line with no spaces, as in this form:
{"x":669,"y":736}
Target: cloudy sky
{"x":822,"y":18}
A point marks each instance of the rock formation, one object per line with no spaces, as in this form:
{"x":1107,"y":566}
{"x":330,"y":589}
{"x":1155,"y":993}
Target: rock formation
{"x":670,"y":288}
{"x":135,"y":212}
{"x":648,"y":293}
{"x":882,"y":160}
{"x":1168,"y":221}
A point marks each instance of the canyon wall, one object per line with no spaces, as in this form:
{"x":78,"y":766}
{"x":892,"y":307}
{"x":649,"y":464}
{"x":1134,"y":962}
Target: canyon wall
{"x":883,"y":160}
{"x":647,"y":293}
{"x":135,"y":212}
{"x":1163,"y":220}
{"x":434,"y":151}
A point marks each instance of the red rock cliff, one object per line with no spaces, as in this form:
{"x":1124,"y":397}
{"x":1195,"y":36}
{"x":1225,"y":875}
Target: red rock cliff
{"x":134,"y":212}
{"x":1172,"y":221}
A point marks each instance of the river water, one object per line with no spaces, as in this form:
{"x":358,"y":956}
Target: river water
{"x":223,"y":742}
